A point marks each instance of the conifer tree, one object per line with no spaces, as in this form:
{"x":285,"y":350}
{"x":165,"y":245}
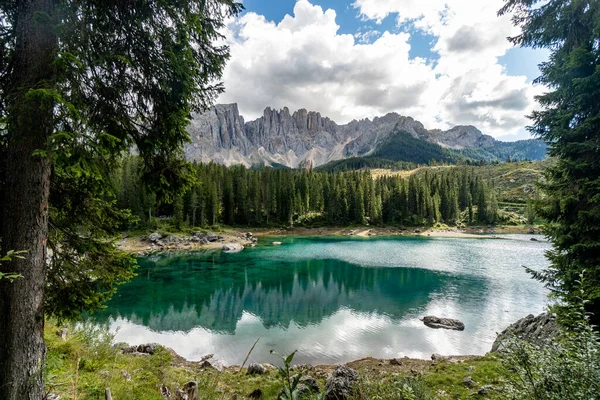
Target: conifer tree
{"x":81,"y":82}
{"x":569,"y":122}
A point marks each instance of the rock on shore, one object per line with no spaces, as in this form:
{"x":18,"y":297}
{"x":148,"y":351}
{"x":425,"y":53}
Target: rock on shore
{"x":232,"y":247}
{"x":340,"y":382}
{"x":537,"y":330}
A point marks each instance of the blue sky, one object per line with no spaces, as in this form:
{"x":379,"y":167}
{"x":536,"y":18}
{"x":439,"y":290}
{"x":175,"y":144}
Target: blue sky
{"x":348,"y":19}
{"x":450,"y":56}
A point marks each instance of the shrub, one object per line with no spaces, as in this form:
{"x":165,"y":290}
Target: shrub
{"x":563,"y":369}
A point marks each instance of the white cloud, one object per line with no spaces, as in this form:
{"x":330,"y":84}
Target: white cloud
{"x":303,"y":62}
{"x":366,"y":37}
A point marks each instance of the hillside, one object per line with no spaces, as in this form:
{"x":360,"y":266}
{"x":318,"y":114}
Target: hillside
{"x":514,"y":182}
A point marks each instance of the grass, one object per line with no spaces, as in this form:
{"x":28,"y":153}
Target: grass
{"x":87,"y":362}
{"x":448,"y":377}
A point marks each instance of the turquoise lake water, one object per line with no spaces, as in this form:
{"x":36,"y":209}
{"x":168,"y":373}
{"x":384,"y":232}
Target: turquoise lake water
{"x":332,"y":299}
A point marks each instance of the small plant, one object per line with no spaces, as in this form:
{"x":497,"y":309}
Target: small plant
{"x":11,"y":276}
{"x":396,"y":388}
{"x":291,"y":388}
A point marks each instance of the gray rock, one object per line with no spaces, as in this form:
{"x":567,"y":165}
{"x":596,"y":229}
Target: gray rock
{"x":486,"y":389}
{"x":171,"y":239}
{"x":309,"y":384}
{"x":141,"y":349}
{"x":256,"y":369}
{"x":211,"y":363}
{"x":256,"y":394}
{"x":537,"y":330}
{"x":469,"y":382}
{"x":148,"y":348}
{"x":340,"y":382}
{"x":206,"y":237}
{"x":232,"y":248}
{"x":443,"y":323}
{"x":395,"y":361}
{"x":211,"y":237}
{"x":438,"y":357}
{"x":154,"y":237}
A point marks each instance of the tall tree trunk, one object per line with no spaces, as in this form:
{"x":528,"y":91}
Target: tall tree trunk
{"x":25,"y":211}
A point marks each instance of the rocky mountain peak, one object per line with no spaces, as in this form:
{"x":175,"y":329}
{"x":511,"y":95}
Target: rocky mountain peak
{"x":463,"y":136}
{"x":306,"y":137}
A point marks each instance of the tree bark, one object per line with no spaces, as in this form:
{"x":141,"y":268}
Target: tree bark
{"x":25,"y":209}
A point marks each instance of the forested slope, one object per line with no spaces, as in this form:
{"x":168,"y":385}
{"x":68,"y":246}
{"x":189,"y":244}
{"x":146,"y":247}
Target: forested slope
{"x":457,"y":195}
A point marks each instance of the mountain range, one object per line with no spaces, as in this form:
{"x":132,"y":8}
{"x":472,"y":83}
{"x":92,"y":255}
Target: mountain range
{"x":306,"y":138}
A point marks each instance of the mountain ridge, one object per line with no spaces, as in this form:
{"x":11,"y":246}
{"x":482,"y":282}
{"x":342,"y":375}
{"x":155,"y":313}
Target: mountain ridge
{"x":306,"y":138}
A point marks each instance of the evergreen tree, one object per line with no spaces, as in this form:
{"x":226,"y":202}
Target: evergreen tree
{"x":213,"y":207}
{"x":569,"y":122}
{"x":80,"y":82}
{"x":178,"y":212}
{"x":482,"y":203}
{"x":228,"y":200}
{"x":194,"y":205}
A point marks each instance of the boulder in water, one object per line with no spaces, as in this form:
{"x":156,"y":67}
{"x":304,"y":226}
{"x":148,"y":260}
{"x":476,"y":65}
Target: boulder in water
{"x":443,"y":323}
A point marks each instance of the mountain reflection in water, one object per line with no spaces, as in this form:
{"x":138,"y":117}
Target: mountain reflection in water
{"x":328,"y":298}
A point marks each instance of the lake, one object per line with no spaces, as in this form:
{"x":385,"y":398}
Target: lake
{"x":333,"y":299}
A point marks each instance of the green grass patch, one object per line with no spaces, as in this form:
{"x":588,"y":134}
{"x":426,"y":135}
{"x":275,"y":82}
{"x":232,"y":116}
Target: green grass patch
{"x":87,"y":362}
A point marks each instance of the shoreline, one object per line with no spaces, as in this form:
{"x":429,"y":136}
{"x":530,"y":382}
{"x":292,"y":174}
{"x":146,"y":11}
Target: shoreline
{"x":395,"y":364}
{"x":141,"y":245}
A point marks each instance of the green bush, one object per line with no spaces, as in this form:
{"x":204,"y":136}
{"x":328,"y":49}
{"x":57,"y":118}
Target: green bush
{"x":563,"y":369}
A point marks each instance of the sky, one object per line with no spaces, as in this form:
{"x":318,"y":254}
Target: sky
{"x":442,"y":62}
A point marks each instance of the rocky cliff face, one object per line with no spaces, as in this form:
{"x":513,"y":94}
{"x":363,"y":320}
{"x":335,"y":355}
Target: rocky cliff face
{"x":305,"y":137}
